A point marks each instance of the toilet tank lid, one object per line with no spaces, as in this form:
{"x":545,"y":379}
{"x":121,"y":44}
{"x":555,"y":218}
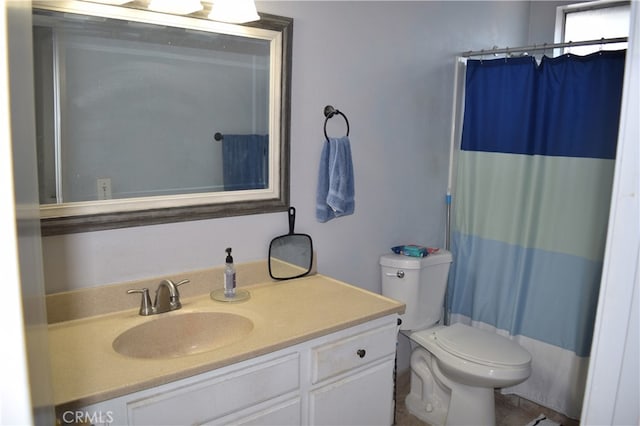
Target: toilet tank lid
{"x":407,"y":262}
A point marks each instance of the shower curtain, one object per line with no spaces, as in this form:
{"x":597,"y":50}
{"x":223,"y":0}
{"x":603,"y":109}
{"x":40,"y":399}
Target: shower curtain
{"x":530,"y":211}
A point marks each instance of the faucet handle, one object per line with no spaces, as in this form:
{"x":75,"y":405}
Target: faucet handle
{"x":176,"y":299}
{"x":145,"y":304}
{"x":179,"y":283}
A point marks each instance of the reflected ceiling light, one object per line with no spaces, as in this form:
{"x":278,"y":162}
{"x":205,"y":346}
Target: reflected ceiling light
{"x":234,"y":11}
{"x":179,"y":7}
{"x":114,"y":2}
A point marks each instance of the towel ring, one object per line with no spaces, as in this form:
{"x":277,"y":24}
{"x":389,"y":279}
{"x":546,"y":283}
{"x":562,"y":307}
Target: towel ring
{"x":329,"y":112}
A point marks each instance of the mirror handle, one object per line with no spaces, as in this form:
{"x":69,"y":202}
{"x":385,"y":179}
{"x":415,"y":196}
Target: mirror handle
{"x":292,"y":219}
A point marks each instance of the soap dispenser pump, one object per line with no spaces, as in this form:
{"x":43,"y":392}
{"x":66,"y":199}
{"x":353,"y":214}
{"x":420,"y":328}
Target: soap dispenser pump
{"x":229,"y":293}
{"x":229,"y":275}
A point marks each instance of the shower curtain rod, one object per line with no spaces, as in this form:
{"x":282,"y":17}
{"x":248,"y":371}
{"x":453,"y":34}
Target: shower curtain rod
{"x":546,"y":46}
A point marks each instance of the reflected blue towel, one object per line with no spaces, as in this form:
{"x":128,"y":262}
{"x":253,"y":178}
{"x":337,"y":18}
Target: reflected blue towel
{"x":245,"y":162}
{"x":335,"y":195}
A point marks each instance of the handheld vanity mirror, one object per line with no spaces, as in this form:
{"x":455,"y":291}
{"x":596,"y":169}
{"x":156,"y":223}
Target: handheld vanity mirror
{"x":290,"y":255}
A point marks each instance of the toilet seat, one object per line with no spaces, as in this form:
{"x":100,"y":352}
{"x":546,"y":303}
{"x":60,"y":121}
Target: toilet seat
{"x":475,"y":345}
{"x":481,"y":346}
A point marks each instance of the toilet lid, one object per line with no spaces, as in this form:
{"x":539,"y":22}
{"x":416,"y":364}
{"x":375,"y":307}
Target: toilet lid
{"x":481,"y":346}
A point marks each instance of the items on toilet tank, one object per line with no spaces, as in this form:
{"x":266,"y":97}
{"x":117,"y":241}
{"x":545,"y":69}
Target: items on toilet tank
{"x":414,"y":250}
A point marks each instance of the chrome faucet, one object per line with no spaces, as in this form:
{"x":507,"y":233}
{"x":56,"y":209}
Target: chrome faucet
{"x":167,"y":298}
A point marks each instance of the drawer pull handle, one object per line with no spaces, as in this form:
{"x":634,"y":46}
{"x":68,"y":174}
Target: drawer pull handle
{"x":361,"y":353}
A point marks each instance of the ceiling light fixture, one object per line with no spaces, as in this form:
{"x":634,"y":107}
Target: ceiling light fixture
{"x":178,"y":7}
{"x":234,"y":11}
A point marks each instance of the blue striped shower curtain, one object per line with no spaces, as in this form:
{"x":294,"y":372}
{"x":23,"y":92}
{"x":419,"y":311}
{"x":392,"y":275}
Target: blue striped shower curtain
{"x":531,"y":206}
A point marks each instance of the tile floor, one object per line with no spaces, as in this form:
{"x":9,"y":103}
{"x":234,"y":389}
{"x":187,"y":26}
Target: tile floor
{"x":511,"y":410}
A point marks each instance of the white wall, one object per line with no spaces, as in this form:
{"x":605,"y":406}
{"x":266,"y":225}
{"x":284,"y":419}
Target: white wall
{"x":389,"y":67}
{"x":27,"y":396}
{"x":543,"y":20}
{"x":613,"y":387}
{"x":14,"y":387}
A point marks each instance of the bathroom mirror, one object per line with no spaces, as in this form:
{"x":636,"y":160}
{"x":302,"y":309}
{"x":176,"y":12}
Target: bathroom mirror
{"x":290,"y":255}
{"x":146,"y":118}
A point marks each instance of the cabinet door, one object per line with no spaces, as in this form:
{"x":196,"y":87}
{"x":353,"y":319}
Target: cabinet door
{"x":362,"y":398}
{"x":205,"y":399}
{"x":287,"y":413}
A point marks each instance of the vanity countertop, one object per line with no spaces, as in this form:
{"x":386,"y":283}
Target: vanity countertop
{"x":87,"y":370}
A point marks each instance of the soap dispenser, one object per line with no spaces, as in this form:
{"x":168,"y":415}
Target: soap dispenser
{"x":229,"y":275}
{"x":228,"y":292}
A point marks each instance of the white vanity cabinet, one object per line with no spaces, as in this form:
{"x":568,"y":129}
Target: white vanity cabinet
{"x":352,"y":378}
{"x":345,"y":377}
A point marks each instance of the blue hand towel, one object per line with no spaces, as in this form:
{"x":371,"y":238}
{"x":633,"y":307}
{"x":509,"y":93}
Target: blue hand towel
{"x":335,"y":195}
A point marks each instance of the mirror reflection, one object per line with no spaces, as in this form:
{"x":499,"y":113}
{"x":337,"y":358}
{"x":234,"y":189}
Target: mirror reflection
{"x":290,"y":256}
{"x":130,"y":109}
{"x":177,"y":116}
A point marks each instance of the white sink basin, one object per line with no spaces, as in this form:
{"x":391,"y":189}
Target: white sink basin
{"x":184,"y":334}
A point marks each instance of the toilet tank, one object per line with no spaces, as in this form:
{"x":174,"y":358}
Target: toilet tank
{"x":420,"y":283}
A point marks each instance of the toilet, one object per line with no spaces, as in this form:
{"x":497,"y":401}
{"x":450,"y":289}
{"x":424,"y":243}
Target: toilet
{"x":454,"y":369}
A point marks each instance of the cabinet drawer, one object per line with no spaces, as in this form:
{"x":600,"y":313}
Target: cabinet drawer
{"x":201,"y":401}
{"x":342,"y":355}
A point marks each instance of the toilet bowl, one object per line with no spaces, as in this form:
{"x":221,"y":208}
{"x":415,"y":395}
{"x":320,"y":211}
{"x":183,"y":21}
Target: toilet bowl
{"x":454,"y":369}
{"x":475,"y":357}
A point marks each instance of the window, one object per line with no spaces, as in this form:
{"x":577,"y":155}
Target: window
{"x":593,"y":21}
